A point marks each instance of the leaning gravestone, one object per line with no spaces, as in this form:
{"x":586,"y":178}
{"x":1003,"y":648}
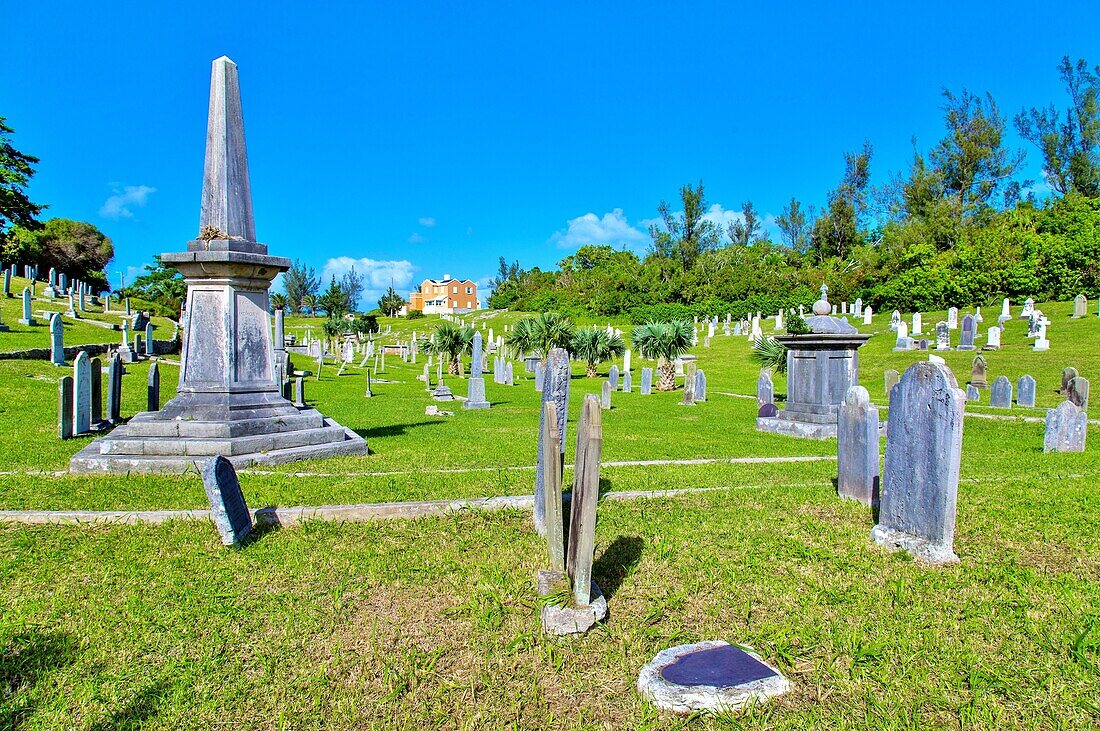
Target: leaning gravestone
{"x":227,"y":505}
{"x":711,"y":676}
{"x":1000,"y":394}
{"x":555,"y":387}
{"x":647,"y":382}
{"x":857,"y":447}
{"x":923,"y":452}
{"x":1078,"y":392}
{"x":1066,"y":427}
{"x":1068,"y":374}
{"x":1025,"y":391}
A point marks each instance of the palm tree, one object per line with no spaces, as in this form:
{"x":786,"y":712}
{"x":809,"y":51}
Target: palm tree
{"x":542,"y":333}
{"x":770,"y":353}
{"x":451,"y":341}
{"x":595,"y":347}
{"x":309,"y":302}
{"x":332,"y":327}
{"x":278,"y":302}
{"x":665,"y":341}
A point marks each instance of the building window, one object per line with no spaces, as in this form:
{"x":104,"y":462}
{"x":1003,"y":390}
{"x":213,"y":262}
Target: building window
{"x":454,"y":290}
{"x":469,"y":290}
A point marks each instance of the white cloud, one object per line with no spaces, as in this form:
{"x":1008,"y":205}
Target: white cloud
{"x":722,"y":217}
{"x":416,"y":238}
{"x":612,"y":228}
{"x":120,"y":204}
{"x":131,"y":274}
{"x":427,"y":221}
{"x":377,"y":276}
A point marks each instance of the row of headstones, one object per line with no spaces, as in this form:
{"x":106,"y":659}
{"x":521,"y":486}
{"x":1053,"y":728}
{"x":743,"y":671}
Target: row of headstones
{"x":1074,"y":386}
{"x":918,"y":494}
{"x":80,"y":396}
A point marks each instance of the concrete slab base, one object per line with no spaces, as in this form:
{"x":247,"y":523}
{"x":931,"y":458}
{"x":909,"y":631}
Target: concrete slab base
{"x":920,"y":548}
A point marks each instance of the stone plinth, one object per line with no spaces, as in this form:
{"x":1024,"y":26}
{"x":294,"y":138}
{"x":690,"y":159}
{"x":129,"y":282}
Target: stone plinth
{"x":821,"y":367}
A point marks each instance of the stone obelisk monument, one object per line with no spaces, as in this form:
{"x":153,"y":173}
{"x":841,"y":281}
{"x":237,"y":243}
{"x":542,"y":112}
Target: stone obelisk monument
{"x":228,"y":400}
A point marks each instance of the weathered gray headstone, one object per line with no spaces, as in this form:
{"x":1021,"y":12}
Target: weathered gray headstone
{"x":153,"y":388}
{"x":57,"y":340}
{"x":646,"y":387}
{"x":627,"y":382}
{"x":227,"y":505}
{"x":65,"y":407}
{"x":943,"y":336}
{"x":1078,"y":392}
{"x":765,"y":389}
{"x":690,"y":369}
{"x":1066,"y":428}
{"x":613,"y":377}
{"x":1068,"y":374}
{"x":923,"y":453}
{"x":1025,"y":391}
{"x":969,"y":330}
{"x":149,"y":339}
{"x":96,"y":373}
{"x":509,"y":378}
{"x":1080,"y":306}
{"x":978,"y":373}
{"x":586,"y":491}
{"x":114,"y":389}
{"x":1000,"y":393}
{"x":858,"y":447}
{"x":7,"y":283}
{"x":700,"y":385}
{"x":82,"y":393}
{"x":475,"y":396}
{"x":300,"y":392}
{"x":27,"y":318}
{"x":555,"y":388}
{"x":540,"y":376}
{"x":972,"y":393}
{"x":555,"y":525}
{"x":890,"y":379}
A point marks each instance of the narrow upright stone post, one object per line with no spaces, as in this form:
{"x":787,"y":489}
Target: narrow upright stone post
{"x":582,"y":511}
{"x":700,"y":385}
{"x":605,"y":396}
{"x":149,"y":350}
{"x":858,"y":448}
{"x":96,"y":368}
{"x":923,"y":453}
{"x":555,"y":526}
{"x":475,"y":385}
{"x":153,"y":388}
{"x":65,"y":407}
{"x":27,"y":318}
{"x":57,"y":340}
{"x":114,"y":389}
{"x":555,"y":388}
{"x":689,"y":384}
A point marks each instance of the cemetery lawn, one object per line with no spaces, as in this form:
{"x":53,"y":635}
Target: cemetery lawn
{"x":434,"y":622}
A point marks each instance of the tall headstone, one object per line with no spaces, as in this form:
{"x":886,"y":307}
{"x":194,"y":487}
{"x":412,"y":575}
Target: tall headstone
{"x":1066,"y":428}
{"x":82,"y":394}
{"x":586,"y":491}
{"x":114,"y":389}
{"x":700,"y":385}
{"x":555,"y":524}
{"x":923,"y":452}
{"x":508,"y":374}
{"x":96,"y":369}
{"x":605,"y":395}
{"x":65,"y":407}
{"x":646,"y":387}
{"x":27,"y":318}
{"x":895,"y":320}
{"x":918,"y":324}
{"x":1006,"y":312}
{"x":540,"y":376}
{"x":227,"y":505}
{"x":953,"y":318}
{"x":475,"y":397}
{"x":943,"y":336}
{"x":1078,"y":392}
{"x":57,"y":340}
{"x":153,"y":388}
{"x":1080,"y":306}
{"x":149,"y":339}
{"x":858,"y":448}
{"x":1025,"y":391}
{"x":868,"y":314}
{"x":613,"y":377}
{"x":993,"y":338}
{"x":7,"y":283}
{"x":765,"y":389}
{"x":966,"y":335}
{"x":1000,"y":393}
{"x":555,"y":387}
{"x":689,"y":384}
{"x":628,"y":382}
{"x":626,"y":361}
{"x":903,"y":341}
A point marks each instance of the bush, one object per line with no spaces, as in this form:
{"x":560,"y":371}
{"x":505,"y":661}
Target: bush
{"x":414,"y":314}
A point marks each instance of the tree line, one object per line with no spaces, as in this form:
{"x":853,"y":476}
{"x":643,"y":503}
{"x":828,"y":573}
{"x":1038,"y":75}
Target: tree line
{"x":959,"y":227}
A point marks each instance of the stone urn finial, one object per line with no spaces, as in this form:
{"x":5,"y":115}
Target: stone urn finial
{"x":822,"y":306}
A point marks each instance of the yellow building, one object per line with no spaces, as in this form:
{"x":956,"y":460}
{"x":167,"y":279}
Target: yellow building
{"x":445,"y":296}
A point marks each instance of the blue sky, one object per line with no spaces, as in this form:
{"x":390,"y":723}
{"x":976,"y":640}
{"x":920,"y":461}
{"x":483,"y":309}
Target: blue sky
{"x":417,"y":140}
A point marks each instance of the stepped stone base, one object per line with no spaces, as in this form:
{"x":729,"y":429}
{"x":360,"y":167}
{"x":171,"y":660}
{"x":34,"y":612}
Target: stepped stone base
{"x":165,"y":441}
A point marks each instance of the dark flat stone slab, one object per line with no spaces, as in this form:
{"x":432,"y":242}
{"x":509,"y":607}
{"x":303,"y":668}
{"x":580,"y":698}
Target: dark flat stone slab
{"x":722,"y":667}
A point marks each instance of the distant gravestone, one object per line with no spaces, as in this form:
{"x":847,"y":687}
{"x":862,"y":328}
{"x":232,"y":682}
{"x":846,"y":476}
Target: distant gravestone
{"x":508,"y":374}
{"x":7,"y":283}
{"x":765,"y":389}
{"x":918,"y":324}
{"x":556,"y":389}
{"x":993,"y":338}
{"x":953,"y":318}
{"x":1028,"y":309}
{"x":82,"y":394}
{"x":1025,"y":391}
{"x":972,"y":393}
{"x":227,"y":506}
{"x":540,"y":375}
{"x":114,"y":389}
{"x":1080,"y":306}
{"x":890,"y":379}
{"x":700,"y":385}
{"x":1078,"y":392}
{"x":969,"y":330}
{"x":943,"y":336}
{"x":627,"y":382}
{"x":858,"y":447}
{"x":978,"y":373}
{"x":475,"y":397}
{"x":1066,"y":428}
{"x":690,"y":369}
{"x":1000,"y":394}
{"x":57,"y":340}
{"x":767,"y":411}
{"x":1068,"y":374}
{"x":895,"y":320}
{"x":903,"y":341}
{"x":647,"y":382}
{"x":868,"y":314}
{"x":153,"y":388}
{"x":96,"y":369}
{"x":613,"y":377}
{"x":605,"y":396}
{"x":65,"y":407}
{"x":27,"y":318}
{"x":923,"y":453}
{"x":149,"y":339}
{"x":1006,"y":312}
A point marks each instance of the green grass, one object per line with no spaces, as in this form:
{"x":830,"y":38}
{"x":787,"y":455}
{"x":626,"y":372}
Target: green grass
{"x":434,"y":622}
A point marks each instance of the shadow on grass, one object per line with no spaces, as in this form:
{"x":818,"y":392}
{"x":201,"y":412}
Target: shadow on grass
{"x":26,"y":660}
{"x":617,"y":562}
{"x":138,"y":710}
{"x":392,"y":430}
